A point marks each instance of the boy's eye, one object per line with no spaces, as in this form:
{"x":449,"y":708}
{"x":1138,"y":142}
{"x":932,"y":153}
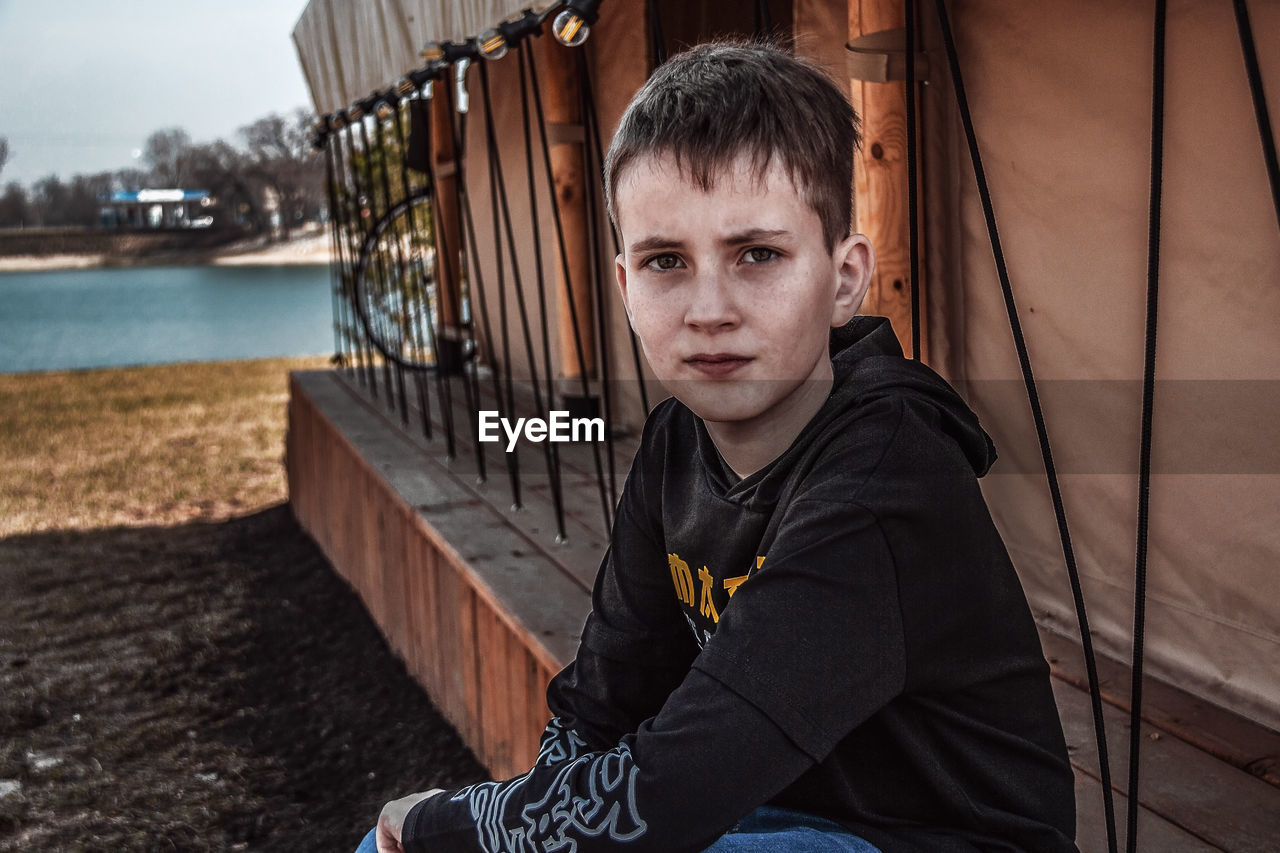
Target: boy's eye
{"x":759,"y":255}
{"x":664,"y":262}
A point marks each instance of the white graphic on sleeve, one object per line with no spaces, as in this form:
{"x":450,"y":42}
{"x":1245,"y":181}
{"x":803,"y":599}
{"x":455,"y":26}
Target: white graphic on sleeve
{"x":556,"y":821}
{"x":559,"y":743}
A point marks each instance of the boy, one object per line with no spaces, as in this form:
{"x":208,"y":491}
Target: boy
{"x":806,"y":634}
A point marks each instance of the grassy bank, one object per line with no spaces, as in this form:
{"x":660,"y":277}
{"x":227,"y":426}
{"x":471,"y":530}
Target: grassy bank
{"x":149,"y":445}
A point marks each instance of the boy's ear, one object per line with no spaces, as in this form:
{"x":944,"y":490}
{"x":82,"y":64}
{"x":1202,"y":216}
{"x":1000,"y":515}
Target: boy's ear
{"x":855,"y":260}
{"x":620,"y":273}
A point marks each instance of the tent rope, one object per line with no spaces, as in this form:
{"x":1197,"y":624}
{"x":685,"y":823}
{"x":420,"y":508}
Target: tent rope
{"x":535,"y":218}
{"x":570,"y":302}
{"x":416,"y":239}
{"x":1259,"y":102}
{"x":913,"y":216}
{"x":1037,"y":413}
{"x":1148,"y":415}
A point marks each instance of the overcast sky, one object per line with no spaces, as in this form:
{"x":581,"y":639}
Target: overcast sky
{"x":84,"y":82}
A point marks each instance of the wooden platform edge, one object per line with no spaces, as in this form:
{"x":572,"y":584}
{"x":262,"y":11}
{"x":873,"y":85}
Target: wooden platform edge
{"x":481,"y":620}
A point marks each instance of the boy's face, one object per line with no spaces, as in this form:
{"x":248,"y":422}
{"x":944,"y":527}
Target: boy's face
{"x":732,"y":291}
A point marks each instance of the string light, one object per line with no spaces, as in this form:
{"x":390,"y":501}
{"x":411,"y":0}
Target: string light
{"x":572,"y":26}
{"x":492,"y":44}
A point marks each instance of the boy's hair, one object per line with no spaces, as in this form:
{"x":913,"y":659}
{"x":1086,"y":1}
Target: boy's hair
{"x":716,"y":101}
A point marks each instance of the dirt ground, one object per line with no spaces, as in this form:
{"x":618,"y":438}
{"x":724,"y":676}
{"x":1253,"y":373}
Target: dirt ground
{"x":180,"y":669}
{"x":212,"y":686}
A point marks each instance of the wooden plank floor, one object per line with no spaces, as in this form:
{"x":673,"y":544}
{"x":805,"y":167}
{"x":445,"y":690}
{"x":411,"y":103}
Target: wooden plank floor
{"x":1196,"y":794}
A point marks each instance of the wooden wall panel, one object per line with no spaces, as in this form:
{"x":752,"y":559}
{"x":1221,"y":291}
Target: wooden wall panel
{"x":457,"y":639}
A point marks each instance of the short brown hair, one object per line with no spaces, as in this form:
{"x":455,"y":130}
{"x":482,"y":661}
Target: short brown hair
{"x":716,"y":101}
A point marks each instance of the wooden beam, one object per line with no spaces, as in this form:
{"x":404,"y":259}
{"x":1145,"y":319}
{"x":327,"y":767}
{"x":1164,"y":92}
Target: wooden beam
{"x":559,"y":78}
{"x":880,"y":178}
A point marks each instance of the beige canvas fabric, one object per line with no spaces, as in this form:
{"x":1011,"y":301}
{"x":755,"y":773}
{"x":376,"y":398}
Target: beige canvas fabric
{"x":1060,"y":95}
{"x":351,"y":48}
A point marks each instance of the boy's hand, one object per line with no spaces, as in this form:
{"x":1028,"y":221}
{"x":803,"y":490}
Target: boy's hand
{"x":391,"y":821}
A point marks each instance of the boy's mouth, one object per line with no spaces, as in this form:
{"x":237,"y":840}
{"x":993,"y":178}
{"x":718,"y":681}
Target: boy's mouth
{"x":717,"y":364}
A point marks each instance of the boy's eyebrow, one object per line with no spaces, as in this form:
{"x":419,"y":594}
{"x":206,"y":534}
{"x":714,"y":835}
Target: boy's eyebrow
{"x":753,"y":235}
{"x":750,"y":235}
{"x":648,"y":244}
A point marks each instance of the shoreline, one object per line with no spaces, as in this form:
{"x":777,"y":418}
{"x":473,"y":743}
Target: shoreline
{"x":308,"y":246}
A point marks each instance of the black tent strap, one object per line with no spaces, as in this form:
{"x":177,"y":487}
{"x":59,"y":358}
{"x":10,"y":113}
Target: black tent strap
{"x":602,"y":278}
{"x":395,"y":325}
{"x":540,"y":281}
{"x":657,"y":41}
{"x":1148,"y":413}
{"x":913,"y":215}
{"x":1037,"y":413}
{"x":416,"y":238}
{"x":558,"y":219}
{"x":1259,"y":102}
{"x":347,"y":146}
{"x":337,"y":271}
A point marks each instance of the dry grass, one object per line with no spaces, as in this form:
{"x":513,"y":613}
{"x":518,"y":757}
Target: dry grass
{"x":149,"y":445}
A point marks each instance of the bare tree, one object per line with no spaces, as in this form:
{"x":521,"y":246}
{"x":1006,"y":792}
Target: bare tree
{"x":4,"y":152}
{"x":165,"y":152}
{"x":283,"y":160}
{"x":227,"y":173}
{"x":14,"y":208}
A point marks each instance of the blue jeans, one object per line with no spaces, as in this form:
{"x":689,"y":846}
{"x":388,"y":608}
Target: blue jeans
{"x":769,"y":829}
{"x":765,"y":830}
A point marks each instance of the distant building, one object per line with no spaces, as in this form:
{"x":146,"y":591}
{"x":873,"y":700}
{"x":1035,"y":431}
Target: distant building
{"x":158,"y":208}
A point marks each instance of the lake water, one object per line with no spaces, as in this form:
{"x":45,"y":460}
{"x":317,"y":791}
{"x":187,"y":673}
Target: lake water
{"x":153,"y":315}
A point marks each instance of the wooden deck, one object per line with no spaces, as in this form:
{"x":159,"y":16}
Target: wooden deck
{"x":485,"y":605}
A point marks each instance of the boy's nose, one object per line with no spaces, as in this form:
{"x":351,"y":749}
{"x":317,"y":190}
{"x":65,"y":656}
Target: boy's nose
{"x":711,"y":303}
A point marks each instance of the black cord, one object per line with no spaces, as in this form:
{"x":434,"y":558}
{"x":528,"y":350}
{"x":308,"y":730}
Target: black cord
{"x":444,"y":287}
{"x":591,"y":128}
{"x":1148,"y":414}
{"x":353,"y":224}
{"x":912,"y":184}
{"x":337,"y":270}
{"x":657,"y":41}
{"x":498,"y":189}
{"x":395,"y":279}
{"x":551,"y":450}
{"x":579,"y":351}
{"x":476,"y":291}
{"x":1259,"y":102}
{"x":415,"y":240}
{"x":366,"y":148}
{"x":1042,"y":433}
{"x":763,"y":24}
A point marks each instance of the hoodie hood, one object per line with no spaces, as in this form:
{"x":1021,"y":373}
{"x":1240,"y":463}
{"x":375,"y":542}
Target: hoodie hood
{"x":867,"y":365}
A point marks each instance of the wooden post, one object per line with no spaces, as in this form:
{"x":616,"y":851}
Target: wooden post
{"x":448,"y":232}
{"x":558,"y":74}
{"x":880,"y":179}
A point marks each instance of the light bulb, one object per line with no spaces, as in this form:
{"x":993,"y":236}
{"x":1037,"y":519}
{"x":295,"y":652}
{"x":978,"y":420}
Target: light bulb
{"x":432,"y":51}
{"x":570,"y":28}
{"x":492,"y":44}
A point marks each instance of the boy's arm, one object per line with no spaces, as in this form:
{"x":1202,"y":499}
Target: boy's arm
{"x":759,"y":706}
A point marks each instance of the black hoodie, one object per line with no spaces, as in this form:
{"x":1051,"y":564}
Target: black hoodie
{"x":840,"y":633}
